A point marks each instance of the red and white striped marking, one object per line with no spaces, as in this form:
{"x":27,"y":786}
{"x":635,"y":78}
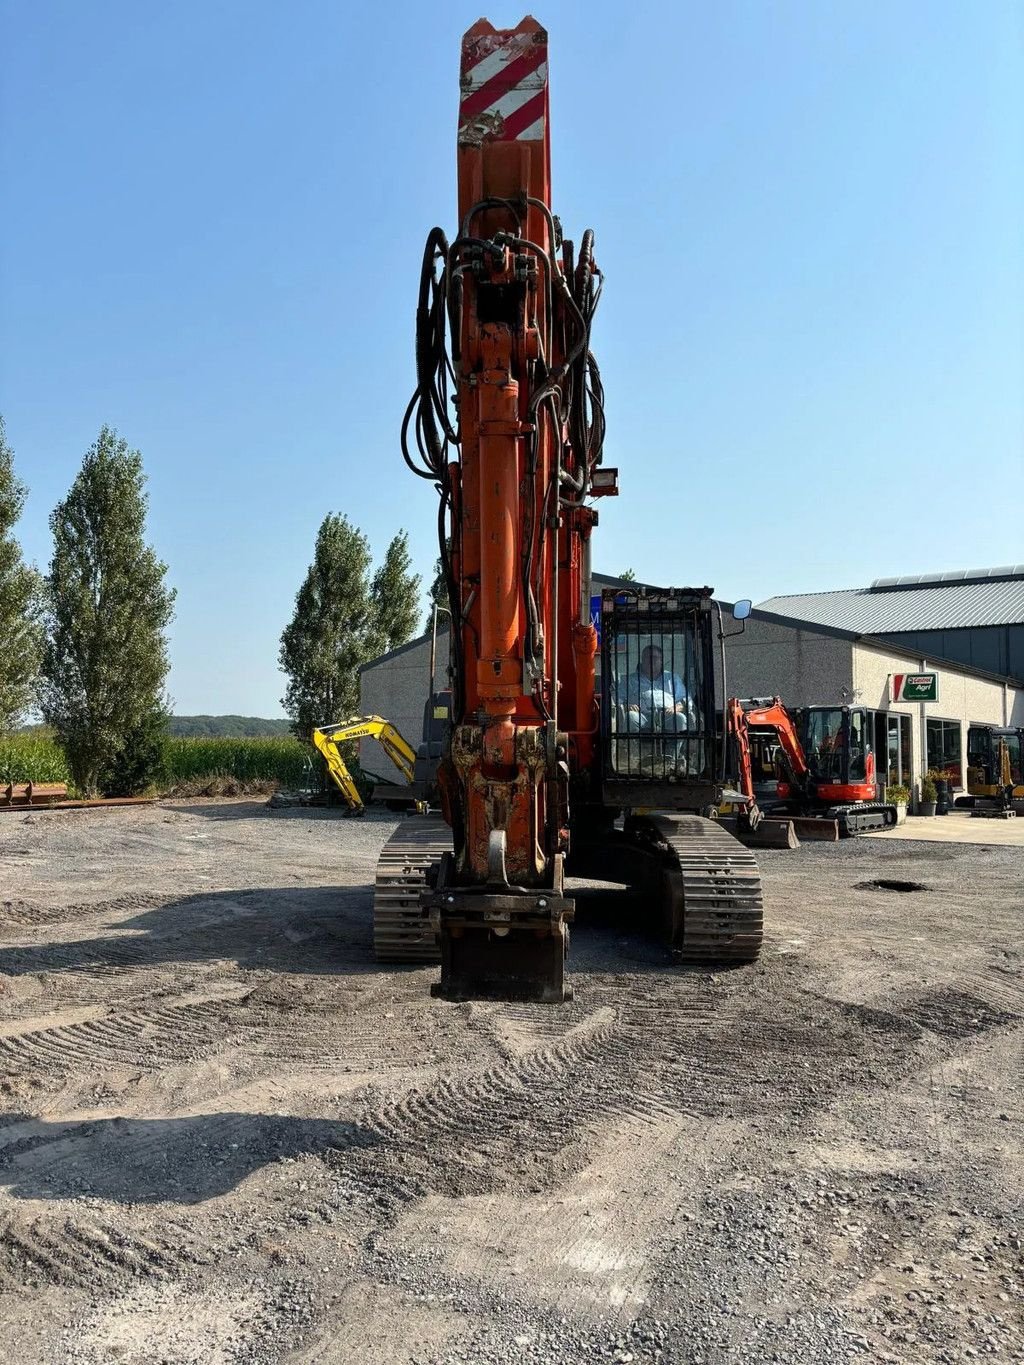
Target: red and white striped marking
{"x":504,"y":86}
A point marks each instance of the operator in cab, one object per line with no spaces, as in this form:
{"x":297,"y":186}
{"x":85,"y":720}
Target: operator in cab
{"x":656,"y":700}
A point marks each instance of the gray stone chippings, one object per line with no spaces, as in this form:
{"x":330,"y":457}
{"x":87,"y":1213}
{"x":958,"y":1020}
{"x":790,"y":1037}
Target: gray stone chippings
{"x":229,"y":1137}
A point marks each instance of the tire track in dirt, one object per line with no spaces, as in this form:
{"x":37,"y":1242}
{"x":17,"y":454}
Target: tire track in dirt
{"x":24,"y":914}
{"x":102,"y":957}
{"x":686,"y":1050}
{"x":86,"y":1255}
{"x":956,"y":1014}
{"x":527,"y":1118}
{"x":140,"y":1038}
{"x":601,"y":1110}
{"x":149,"y":1040}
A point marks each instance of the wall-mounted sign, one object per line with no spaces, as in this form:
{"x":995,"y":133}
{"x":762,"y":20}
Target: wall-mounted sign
{"x":914,"y":686}
{"x":595,"y":615}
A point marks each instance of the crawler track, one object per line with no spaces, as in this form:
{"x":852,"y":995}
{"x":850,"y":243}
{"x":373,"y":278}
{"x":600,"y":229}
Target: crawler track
{"x":861,"y":817}
{"x":400,"y":931}
{"x":716,"y":910}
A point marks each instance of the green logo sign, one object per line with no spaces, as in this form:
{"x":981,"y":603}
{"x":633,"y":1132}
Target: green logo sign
{"x":915,"y":686}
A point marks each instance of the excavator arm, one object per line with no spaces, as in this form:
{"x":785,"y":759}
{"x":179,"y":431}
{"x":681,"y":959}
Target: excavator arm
{"x":504,"y":319}
{"x":764,"y":713}
{"x":327,"y":738}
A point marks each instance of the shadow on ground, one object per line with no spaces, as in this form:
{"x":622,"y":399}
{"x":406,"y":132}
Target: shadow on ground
{"x":258,"y":807}
{"x":213,"y":808}
{"x":178,"y":1160}
{"x":326,"y":930}
{"x":323,"y":929}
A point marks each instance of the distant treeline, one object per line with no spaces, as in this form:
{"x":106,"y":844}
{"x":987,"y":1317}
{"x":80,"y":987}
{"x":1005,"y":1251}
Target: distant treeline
{"x":230,"y":727}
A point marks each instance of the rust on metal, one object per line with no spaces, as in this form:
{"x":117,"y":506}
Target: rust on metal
{"x":56,"y":803}
{"x":32,"y":793}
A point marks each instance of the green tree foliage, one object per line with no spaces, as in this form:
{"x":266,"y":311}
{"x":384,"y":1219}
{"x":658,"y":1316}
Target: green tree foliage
{"x":627,"y":576}
{"x":332,"y":630}
{"x":141,"y":760}
{"x":107,"y":610}
{"x":437,"y":596}
{"x":394,"y":593}
{"x":21,"y":637}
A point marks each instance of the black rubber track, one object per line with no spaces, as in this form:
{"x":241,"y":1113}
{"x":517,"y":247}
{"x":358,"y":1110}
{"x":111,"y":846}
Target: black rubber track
{"x":716,"y":911}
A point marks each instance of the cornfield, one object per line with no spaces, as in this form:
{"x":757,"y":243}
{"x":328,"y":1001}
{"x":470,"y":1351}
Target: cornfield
{"x":31,"y":758}
{"x":282,"y":760}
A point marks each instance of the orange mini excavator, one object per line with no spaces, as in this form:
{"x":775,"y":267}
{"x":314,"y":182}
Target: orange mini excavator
{"x":507,"y":421}
{"x":826,"y":769}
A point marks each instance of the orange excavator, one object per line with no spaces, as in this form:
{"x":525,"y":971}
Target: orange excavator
{"x":826,"y":767}
{"x":507,"y":421}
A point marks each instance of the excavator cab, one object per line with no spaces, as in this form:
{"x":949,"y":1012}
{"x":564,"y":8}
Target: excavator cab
{"x":658,"y":726}
{"x":836,"y":741}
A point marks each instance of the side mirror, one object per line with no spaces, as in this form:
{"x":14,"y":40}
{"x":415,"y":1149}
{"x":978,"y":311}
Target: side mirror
{"x":742,"y":610}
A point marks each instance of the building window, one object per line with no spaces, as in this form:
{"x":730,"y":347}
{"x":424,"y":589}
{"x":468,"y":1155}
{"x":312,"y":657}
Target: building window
{"x":899,"y":750}
{"x":985,"y":747}
{"x":944,"y":749}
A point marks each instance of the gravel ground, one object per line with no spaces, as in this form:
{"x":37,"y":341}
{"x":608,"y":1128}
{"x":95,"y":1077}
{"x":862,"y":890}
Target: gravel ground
{"x":229,"y":1138}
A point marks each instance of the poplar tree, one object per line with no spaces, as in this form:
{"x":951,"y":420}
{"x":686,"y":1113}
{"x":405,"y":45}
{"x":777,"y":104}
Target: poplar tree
{"x":332,"y":630}
{"x":395,"y":595}
{"x":20,"y":628}
{"x":437,"y":596}
{"x":107,"y":609}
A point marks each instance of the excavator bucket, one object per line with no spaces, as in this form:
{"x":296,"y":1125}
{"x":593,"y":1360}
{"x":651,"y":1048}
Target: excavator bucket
{"x":524,"y":964}
{"x":816,"y":828}
{"x":770,"y":833}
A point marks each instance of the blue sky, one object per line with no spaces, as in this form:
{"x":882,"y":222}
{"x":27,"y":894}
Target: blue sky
{"x":810,"y":218}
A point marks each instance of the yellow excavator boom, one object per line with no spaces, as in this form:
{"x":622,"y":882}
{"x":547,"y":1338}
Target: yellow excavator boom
{"x":328,"y":737}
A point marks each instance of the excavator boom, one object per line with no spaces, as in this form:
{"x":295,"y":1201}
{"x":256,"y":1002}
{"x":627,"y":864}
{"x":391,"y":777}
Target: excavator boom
{"x":507,"y":422}
{"x":328,"y":738}
{"x":514,"y":456}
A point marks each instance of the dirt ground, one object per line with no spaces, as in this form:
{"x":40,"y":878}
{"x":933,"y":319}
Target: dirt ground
{"x":228,"y":1137}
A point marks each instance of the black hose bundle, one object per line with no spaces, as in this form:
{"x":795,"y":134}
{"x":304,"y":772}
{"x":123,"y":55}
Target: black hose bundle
{"x":430,"y":401}
{"x":570,"y":397}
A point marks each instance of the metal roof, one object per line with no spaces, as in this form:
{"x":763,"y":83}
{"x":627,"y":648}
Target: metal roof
{"x":930,"y":603}
{"x":1009,"y":571}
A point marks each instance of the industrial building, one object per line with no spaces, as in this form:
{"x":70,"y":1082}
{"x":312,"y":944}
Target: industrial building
{"x":860,"y":646}
{"x":971,"y":616}
{"x":856,"y":647}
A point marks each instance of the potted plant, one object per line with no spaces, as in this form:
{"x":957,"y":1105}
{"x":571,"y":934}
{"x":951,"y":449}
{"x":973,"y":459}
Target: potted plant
{"x":898,"y":796}
{"x":926,"y":806}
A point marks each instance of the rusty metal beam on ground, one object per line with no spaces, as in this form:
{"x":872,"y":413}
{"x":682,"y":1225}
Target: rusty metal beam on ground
{"x":22,"y":794}
{"x":99,"y":803}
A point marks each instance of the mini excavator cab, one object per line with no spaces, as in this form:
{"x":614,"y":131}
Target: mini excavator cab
{"x":836,"y":741}
{"x":659,"y":742}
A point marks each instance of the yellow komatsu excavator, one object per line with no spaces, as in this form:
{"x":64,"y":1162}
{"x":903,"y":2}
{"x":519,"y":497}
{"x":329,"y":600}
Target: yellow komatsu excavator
{"x":327,"y":739}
